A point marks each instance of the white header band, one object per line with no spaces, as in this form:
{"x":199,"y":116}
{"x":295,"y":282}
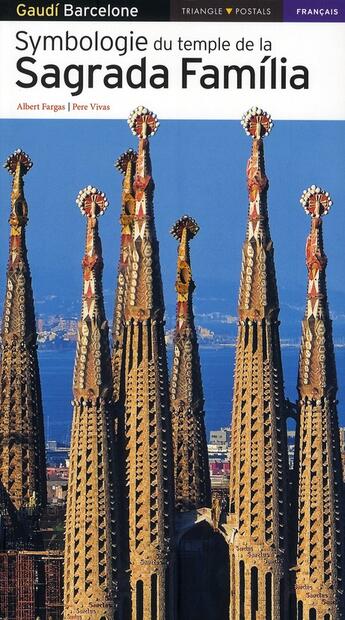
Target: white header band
{"x":197,"y":83}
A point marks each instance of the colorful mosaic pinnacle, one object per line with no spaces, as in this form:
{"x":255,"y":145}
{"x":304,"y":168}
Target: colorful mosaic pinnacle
{"x":321,"y":513}
{"x":22,"y":463}
{"x":142,"y":122}
{"x":191,"y":467}
{"x":91,"y":552}
{"x":144,"y":392}
{"x":258,"y":462}
{"x":18,"y":157}
{"x":256,"y":123}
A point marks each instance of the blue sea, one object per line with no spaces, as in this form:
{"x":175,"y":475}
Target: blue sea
{"x":56,"y":369}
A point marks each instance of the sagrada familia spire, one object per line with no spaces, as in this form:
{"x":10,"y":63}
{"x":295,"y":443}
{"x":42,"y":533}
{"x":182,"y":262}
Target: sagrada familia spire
{"x":126,"y":165}
{"x":22,"y":449}
{"x":91,"y":553}
{"x":321,"y":515}
{"x":258,"y":462}
{"x":191,"y":468}
{"x":145,"y":394}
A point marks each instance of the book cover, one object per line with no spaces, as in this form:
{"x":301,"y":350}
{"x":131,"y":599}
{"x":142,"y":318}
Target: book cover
{"x":171,"y":377}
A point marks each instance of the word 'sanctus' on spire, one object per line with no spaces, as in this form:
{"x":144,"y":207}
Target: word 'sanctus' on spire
{"x":143,"y":402}
{"x":91,"y":550}
{"x":126,"y":165}
{"x":191,"y":467}
{"x":258,"y":463}
{"x":22,"y":448}
{"x":321,"y":513}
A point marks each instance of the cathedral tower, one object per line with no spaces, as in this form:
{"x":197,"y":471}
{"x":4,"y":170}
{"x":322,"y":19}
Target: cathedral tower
{"x":90,"y":539}
{"x":145,"y":393}
{"x":321,"y":515}
{"x":191,"y":468}
{"x":22,"y":449}
{"x":258,"y":462}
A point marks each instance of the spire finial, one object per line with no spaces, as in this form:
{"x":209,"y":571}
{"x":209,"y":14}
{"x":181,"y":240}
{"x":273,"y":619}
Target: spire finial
{"x":124,"y":159}
{"x":18,"y":157}
{"x":316,"y":201}
{"x":18,"y":164}
{"x":185,"y":222}
{"x":183,"y":230}
{"x":92,"y":202}
{"x":126,"y":165}
{"x":142,"y":122}
{"x":257,"y":123}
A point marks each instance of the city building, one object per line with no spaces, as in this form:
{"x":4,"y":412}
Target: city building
{"x":221,"y":437}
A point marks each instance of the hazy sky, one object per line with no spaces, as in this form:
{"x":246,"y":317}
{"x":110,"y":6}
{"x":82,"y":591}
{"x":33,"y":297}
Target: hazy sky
{"x":199,"y":169}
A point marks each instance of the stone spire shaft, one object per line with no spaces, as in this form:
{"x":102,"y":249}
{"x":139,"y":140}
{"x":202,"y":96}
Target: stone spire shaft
{"x":191,"y":467}
{"x":126,"y":165}
{"x":90,"y":541}
{"x":321,"y":515}
{"x":22,"y":462}
{"x":258,"y":462}
{"x":145,"y":393}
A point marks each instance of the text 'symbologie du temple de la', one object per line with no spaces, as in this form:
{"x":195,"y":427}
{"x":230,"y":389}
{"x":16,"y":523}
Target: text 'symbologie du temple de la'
{"x":145,"y":535}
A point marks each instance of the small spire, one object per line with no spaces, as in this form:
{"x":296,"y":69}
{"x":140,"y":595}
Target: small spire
{"x":191,"y":467}
{"x":126,"y":165}
{"x":91,"y":552}
{"x":22,"y":468}
{"x":258,"y":295}
{"x":258,"y":498}
{"x":91,"y":367}
{"x":316,"y":203}
{"x":320,"y":544}
{"x":143,"y":408}
{"x":317,"y":364}
{"x":145,"y":288}
{"x":185,"y":229}
{"x":18,"y":165}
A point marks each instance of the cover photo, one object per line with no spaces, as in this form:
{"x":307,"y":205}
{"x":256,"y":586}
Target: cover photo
{"x":171,"y":376}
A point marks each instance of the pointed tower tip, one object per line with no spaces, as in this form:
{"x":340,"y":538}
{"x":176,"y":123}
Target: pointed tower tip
{"x":316,"y":201}
{"x":185,"y":222}
{"x":142,"y":122}
{"x":257,"y":123}
{"x":122,"y":161}
{"x":92,"y":202}
{"x":13,"y":159}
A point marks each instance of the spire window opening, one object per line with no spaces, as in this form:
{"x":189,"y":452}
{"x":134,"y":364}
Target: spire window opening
{"x":254,"y":592}
{"x":242,"y":591}
{"x":312,"y":614}
{"x":300,"y":610}
{"x":282,"y":599}
{"x":268,"y":595}
{"x":140,"y":600}
{"x":154,"y":597}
